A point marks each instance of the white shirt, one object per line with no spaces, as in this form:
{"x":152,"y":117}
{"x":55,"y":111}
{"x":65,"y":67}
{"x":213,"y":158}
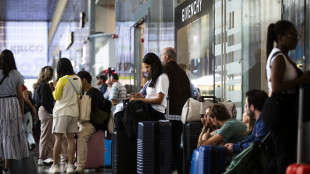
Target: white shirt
{"x":289,"y":74}
{"x":161,"y":86}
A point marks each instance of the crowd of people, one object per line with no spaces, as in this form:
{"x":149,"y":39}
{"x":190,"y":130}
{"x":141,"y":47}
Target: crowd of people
{"x":56,"y":106}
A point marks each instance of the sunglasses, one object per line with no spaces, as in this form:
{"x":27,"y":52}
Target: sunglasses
{"x":293,"y":37}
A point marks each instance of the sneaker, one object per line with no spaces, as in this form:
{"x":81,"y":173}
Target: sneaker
{"x":6,"y":171}
{"x":48,"y":161}
{"x":54,"y":169}
{"x":40,"y":162}
{"x":70,"y":168}
{"x":79,"y":170}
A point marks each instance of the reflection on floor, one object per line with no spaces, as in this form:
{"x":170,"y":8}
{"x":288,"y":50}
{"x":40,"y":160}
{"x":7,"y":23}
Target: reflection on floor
{"x":29,"y":166}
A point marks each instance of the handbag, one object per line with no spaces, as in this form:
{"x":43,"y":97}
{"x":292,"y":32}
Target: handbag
{"x":85,"y":108}
{"x":193,"y":109}
{"x":252,"y":159}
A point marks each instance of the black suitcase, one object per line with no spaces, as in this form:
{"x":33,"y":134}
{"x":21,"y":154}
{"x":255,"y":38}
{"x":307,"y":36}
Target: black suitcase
{"x":154,"y":146}
{"x":191,"y":134}
{"x":124,"y":153}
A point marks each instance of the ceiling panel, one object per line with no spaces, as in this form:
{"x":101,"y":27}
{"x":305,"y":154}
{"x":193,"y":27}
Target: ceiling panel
{"x":27,"y":10}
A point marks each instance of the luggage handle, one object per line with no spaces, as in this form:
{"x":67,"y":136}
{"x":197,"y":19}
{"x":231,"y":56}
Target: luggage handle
{"x":203,"y":97}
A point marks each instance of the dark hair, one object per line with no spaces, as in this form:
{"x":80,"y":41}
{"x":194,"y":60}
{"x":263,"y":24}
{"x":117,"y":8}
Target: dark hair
{"x":156,"y":67}
{"x":64,"y":67}
{"x":104,"y":78}
{"x":257,"y":98}
{"x":7,"y":62}
{"x":279,"y":28}
{"x":115,"y":76}
{"x":219,"y":111}
{"x":86,"y":75}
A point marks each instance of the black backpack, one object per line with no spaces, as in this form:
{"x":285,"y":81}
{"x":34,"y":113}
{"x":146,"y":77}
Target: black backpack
{"x":133,"y":113}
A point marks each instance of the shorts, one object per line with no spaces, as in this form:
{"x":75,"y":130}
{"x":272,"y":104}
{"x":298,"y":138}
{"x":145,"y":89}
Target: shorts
{"x":65,"y":124}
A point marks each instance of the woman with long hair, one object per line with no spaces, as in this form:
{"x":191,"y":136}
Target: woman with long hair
{"x":65,"y":112}
{"x":284,"y":79}
{"x":45,"y":102}
{"x":13,"y":142}
{"x":157,"y":90}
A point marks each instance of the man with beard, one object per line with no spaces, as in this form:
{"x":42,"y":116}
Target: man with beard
{"x":254,"y":103}
{"x":228,"y":130}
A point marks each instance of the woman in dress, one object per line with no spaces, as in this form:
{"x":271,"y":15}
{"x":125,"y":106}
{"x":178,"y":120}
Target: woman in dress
{"x":13,"y":142}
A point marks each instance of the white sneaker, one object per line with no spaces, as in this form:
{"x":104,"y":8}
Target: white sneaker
{"x":54,"y":169}
{"x":70,"y":168}
{"x":79,"y":170}
{"x":40,"y":162}
{"x":48,"y":161}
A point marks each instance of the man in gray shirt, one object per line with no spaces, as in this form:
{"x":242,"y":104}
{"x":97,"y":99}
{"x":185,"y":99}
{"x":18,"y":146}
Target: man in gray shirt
{"x":228,"y":130}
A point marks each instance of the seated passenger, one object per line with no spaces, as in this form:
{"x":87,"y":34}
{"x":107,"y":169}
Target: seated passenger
{"x":87,"y":129}
{"x":249,"y":121}
{"x":229,"y":130}
{"x":254,"y":103}
{"x":118,"y":92}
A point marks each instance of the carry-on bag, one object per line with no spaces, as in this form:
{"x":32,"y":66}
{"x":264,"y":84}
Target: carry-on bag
{"x":124,"y":153}
{"x":208,"y":160}
{"x":300,"y":167}
{"x":191,"y":134}
{"x":194,"y":161}
{"x":107,"y":153}
{"x":154,"y":147}
{"x":95,"y":153}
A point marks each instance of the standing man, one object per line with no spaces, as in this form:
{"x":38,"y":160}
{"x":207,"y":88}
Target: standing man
{"x":101,"y":79}
{"x":118,"y":91}
{"x":179,"y":93}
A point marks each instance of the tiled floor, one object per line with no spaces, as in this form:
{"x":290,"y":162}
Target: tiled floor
{"x":29,"y":166}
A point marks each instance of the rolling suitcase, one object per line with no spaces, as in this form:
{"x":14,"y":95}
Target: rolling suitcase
{"x":95,"y":153}
{"x":300,"y":168}
{"x":194,"y":162}
{"x":191,"y":134}
{"x":108,"y":153}
{"x":124,"y":153}
{"x":211,"y":160}
{"x":154,"y":147}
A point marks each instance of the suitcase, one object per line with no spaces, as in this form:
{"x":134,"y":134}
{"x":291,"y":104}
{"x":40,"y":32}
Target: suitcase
{"x":300,"y":168}
{"x":154,"y":147}
{"x":124,"y":153}
{"x":107,"y":153}
{"x":95,"y":153}
{"x":194,"y":162}
{"x":211,"y":160}
{"x":191,"y":134}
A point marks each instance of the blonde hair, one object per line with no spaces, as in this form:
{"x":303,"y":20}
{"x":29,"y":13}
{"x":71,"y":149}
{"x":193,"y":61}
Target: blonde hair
{"x":46,"y":74}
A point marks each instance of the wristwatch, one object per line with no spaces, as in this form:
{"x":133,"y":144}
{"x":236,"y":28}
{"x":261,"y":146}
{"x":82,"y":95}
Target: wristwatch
{"x":204,"y":130}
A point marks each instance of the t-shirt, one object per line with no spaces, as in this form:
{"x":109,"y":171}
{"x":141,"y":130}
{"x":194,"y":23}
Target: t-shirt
{"x":233,"y":131}
{"x":10,"y":83}
{"x":161,"y":86}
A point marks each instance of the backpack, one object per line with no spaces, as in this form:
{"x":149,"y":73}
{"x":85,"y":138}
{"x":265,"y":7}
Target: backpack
{"x":133,"y":113}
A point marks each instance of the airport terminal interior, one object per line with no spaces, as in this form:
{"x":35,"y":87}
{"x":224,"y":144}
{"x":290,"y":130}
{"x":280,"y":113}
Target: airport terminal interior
{"x":220,"y":43}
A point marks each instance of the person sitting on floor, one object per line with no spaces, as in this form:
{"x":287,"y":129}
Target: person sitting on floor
{"x":229,"y":130}
{"x":255,"y":100}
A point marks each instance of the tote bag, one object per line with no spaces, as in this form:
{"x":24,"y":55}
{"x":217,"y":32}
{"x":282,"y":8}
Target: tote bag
{"x":85,"y":108}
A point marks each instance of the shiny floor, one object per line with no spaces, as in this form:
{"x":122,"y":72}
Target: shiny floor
{"x":29,"y":166}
